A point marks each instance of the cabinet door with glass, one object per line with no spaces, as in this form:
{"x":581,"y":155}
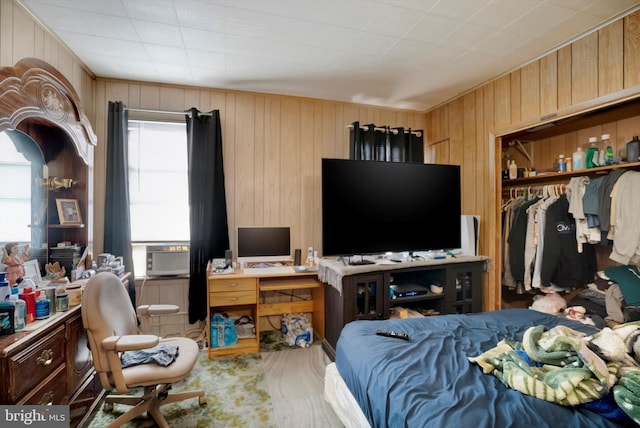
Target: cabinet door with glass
{"x":365,"y":297}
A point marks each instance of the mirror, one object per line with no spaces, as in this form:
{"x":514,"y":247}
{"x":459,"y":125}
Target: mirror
{"x":23,"y":197}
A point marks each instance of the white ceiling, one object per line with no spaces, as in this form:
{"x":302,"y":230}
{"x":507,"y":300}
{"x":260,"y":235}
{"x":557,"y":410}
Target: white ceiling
{"x":412,"y":54}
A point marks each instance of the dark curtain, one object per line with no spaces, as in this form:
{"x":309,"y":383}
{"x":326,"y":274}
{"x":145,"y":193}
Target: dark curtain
{"x":415,"y":149}
{"x":207,"y":204}
{"x":117,"y":224}
{"x":383,"y":143}
{"x":398,"y":143}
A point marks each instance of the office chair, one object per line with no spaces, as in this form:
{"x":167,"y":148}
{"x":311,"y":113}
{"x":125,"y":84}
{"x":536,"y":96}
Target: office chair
{"x":112,"y":328}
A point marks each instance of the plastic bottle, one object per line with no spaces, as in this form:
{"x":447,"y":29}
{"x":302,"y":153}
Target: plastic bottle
{"x":20,"y":313}
{"x":592,"y":153}
{"x":29,"y":296}
{"x":605,"y":144}
{"x":309,"y":261}
{"x":569,"y":163}
{"x":633,"y":149}
{"x":42,"y":307}
{"x":5,"y":289}
{"x":513,"y":170}
{"x":578,"y":159}
{"x":608,"y":158}
{"x":562,"y":164}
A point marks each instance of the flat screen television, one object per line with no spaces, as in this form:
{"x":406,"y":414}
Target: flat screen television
{"x":372,"y":207}
{"x":264,"y":244}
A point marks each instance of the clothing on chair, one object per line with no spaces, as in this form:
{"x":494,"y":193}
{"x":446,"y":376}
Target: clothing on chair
{"x":161,"y":354}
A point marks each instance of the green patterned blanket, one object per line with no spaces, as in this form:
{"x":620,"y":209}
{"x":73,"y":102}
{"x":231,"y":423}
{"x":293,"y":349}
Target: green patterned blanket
{"x":567,"y":367}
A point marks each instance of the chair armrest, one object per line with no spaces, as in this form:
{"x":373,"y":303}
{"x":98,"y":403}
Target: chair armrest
{"x":153,"y":310}
{"x":130,"y":342}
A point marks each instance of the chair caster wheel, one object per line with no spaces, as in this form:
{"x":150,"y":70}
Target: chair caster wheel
{"x":107,"y":407}
{"x":202,"y":401}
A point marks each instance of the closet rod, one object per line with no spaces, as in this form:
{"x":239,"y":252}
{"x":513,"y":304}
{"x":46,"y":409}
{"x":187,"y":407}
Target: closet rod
{"x":394,"y":131}
{"x":182,"y":113}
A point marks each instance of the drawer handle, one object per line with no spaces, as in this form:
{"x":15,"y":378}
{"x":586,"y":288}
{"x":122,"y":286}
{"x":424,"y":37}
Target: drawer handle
{"x":47,"y":399}
{"x":233,"y":299}
{"x":233,"y":285}
{"x":45,"y":358}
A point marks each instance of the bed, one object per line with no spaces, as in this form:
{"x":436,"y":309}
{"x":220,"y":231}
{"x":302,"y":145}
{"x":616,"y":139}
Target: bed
{"x":428,"y":381}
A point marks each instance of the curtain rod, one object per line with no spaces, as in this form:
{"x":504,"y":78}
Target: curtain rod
{"x":393,"y":131}
{"x":182,"y":113}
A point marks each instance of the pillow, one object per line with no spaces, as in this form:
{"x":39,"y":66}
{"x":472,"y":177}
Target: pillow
{"x":628,"y":279}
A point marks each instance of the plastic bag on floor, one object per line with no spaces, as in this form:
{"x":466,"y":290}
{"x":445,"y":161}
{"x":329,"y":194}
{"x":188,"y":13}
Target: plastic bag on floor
{"x":297,"y":330}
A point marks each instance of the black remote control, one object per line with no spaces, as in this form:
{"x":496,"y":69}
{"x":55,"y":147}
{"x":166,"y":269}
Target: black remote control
{"x":397,"y":335}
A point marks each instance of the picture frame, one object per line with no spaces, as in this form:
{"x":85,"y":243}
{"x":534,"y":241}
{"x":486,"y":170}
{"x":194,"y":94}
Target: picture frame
{"x":32,"y":271}
{"x":68,"y":211}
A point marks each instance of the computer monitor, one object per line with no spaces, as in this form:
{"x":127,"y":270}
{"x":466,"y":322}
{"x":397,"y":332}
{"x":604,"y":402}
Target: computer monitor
{"x":264,"y":244}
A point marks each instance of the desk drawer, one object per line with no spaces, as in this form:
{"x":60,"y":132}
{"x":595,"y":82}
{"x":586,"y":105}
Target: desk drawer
{"x":34,"y":364}
{"x":232,"y":298}
{"x":232,"y":284}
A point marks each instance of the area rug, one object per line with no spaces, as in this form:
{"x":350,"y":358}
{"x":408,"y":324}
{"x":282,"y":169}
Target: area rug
{"x":236,"y":392}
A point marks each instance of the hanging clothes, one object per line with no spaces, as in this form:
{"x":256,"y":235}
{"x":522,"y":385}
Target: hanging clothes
{"x":517,"y":239}
{"x":626,"y":243}
{"x":562,"y":264}
{"x":575,"y":193}
{"x":540,"y":220}
{"x":604,"y":195}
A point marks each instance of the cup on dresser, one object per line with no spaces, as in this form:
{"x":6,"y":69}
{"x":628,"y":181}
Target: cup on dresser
{"x":50,"y":293}
{"x":62,"y":302}
{"x":75,"y":294}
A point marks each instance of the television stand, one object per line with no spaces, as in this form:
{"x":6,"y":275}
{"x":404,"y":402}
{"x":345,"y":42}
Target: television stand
{"x":364,"y":292}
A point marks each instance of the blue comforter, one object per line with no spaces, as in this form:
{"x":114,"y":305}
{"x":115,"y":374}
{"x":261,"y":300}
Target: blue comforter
{"x":429,"y":382}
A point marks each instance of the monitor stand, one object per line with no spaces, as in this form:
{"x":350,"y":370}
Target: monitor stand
{"x":360,"y":262}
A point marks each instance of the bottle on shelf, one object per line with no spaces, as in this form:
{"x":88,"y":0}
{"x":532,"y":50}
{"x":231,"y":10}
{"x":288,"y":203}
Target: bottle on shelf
{"x":513,"y":170}
{"x":562,"y":164}
{"x":578,"y":159}
{"x":633,"y":149}
{"x":608,"y":157}
{"x":593,"y":156}
{"x":604,"y":145}
{"x":569,"y":163}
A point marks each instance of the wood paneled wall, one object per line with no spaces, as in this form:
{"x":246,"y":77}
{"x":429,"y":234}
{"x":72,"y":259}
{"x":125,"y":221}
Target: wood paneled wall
{"x":594,"y":71}
{"x":273,"y":144}
{"x":272,"y":148}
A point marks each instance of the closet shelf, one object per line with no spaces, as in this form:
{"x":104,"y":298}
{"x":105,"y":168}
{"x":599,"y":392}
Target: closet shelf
{"x":562,"y":175}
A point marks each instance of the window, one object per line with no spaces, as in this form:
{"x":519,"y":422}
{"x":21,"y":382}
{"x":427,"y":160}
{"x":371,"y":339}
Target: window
{"x":15,"y":192}
{"x":158,"y":185}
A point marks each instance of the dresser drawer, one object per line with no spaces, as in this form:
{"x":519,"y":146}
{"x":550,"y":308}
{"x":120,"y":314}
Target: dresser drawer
{"x":231,"y":298}
{"x":52,"y":391}
{"x":232,"y":284}
{"x":31,"y":366}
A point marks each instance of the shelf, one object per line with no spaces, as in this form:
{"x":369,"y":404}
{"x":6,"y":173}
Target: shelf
{"x":65,"y":226}
{"x":282,"y":284}
{"x":418,"y":298}
{"x":563,"y":175}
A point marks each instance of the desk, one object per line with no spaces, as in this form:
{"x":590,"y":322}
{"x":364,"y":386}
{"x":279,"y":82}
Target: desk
{"x":239,"y":294}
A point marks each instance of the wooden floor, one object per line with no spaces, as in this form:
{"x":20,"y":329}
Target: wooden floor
{"x":295,"y":378}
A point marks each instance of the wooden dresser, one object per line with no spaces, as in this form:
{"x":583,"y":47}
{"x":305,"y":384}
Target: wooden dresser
{"x":50,"y":364}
